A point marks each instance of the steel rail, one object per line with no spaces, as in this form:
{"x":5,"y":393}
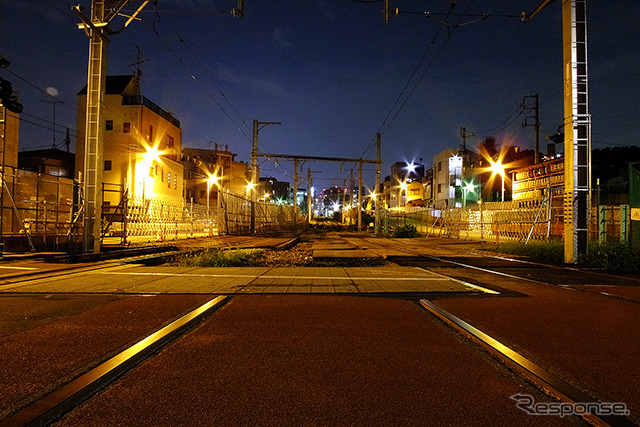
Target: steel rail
{"x":560,"y":389}
{"x":60,"y":401}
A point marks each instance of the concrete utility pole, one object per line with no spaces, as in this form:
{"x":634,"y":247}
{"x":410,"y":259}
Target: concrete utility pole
{"x":309,"y":206}
{"x":255,"y":176}
{"x":96,"y":28}
{"x":377,"y":190}
{"x":577,"y":130}
{"x":535,"y":124}
{"x":577,"y":126}
{"x":359,"y":196}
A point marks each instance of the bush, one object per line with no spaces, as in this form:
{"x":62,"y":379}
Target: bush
{"x":406,"y":231}
{"x":611,"y":256}
{"x":550,"y":251}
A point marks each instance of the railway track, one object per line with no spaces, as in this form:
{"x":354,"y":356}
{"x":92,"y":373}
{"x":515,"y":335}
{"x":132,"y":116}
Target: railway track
{"x":57,"y":403}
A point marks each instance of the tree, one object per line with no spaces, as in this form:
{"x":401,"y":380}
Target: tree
{"x":488,"y":147}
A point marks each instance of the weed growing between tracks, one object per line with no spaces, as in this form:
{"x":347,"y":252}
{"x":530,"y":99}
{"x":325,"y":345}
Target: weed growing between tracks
{"x":300,"y":255}
{"x":218,"y":258}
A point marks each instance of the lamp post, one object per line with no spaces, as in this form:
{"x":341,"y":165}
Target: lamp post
{"x":403,"y":187}
{"x":498,"y":168}
{"x":468,"y":187}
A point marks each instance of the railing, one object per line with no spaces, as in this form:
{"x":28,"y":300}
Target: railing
{"x":39,"y":210}
{"x":516,"y":220}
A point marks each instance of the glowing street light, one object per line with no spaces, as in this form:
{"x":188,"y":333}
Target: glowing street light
{"x":498,"y":168}
{"x":249,"y":187}
{"x":403,"y":187}
{"x":468,"y":187}
{"x":212,"y":179}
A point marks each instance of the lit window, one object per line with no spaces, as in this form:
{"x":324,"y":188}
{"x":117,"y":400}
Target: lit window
{"x":175,"y":181}
{"x":168,"y":179}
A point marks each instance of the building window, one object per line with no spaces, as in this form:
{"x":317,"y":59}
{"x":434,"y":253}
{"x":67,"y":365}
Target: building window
{"x":439,"y":188}
{"x":168,"y":179}
{"x":126,"y":127}
{"x":109,"y":125}
{"x":150,"y":132}
{"x":107,"y":165}
{"x":162,"y":174}
{"x":439,"y":169}
{"x":170,"y":141}
{"x":175,"y":181}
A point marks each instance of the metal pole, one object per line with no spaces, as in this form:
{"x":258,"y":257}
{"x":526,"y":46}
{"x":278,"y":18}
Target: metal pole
{"x":309,"y":204}
{"x":577,"y":130}
{"x":359,"y":196}
{"x":377,"y":190}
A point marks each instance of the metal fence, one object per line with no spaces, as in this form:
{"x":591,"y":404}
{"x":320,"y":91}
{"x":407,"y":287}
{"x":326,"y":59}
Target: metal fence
{"x":513,"y":220}
{"x":161,"y":219}
{"x":38,"y":211}
{"x":44,"y":213}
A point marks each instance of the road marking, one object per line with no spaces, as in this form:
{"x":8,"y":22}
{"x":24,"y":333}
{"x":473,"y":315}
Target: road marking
{"x":254,"y":276}
{"x":17,"y":268}
{"x":462,"y":282}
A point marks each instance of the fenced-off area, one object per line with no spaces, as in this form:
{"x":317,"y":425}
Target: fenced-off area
{"x":149,"y":219}
{"x":41,"y":212}
{"x":512,"y":220}
{"x":44,"y":213}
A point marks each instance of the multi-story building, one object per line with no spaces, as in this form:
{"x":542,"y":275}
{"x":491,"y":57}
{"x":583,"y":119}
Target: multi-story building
{"x":200,"y":164}
{"x":142,"y":144}
{"x":531,"y":182}
{"x":404,"y":187}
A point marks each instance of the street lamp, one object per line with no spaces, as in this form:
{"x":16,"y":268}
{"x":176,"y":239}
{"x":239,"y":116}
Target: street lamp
{"x":498,"y":168}
{"x":468,"y":187}
{"x":403,"y":187}
{"x":212,"y":179}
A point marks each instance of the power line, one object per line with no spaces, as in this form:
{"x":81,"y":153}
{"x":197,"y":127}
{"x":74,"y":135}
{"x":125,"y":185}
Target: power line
{"x":191,"y":74}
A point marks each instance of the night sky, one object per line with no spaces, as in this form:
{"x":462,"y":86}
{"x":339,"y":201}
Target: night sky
{"x":333,"y":73}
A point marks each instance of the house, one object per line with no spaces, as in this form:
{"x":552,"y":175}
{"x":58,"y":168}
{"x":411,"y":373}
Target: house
{"x":142,"y":144}
{"x":50,"y":161}
{"x":202,"y":164}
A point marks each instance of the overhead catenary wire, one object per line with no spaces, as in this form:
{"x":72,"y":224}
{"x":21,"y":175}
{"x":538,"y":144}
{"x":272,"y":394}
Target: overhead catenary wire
{"x":196,"y":80}
{"x":385,"y":126}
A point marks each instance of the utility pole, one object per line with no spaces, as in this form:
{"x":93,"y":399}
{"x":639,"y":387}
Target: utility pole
{"x":359,"y":207}
{"x":577,"y":126}
{"x":295,"y":194}
{"x":377,"y":190}
{"x":255,"y":176}
{"x":535,"y":124}
{"x":309,"y":204}
{"x":577,"y":130}
{"x":464,"y":134}
{"x":96,"y":28}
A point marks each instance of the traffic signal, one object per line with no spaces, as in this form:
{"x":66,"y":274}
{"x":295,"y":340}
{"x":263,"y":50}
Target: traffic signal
{"x":7,"y":98}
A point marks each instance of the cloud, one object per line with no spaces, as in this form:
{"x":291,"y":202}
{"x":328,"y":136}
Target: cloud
{"x":279,"y":36}
{"x":258,"y":82}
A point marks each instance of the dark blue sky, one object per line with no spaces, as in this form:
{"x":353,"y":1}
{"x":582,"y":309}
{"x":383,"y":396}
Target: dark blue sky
{"x":331,"y":72}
